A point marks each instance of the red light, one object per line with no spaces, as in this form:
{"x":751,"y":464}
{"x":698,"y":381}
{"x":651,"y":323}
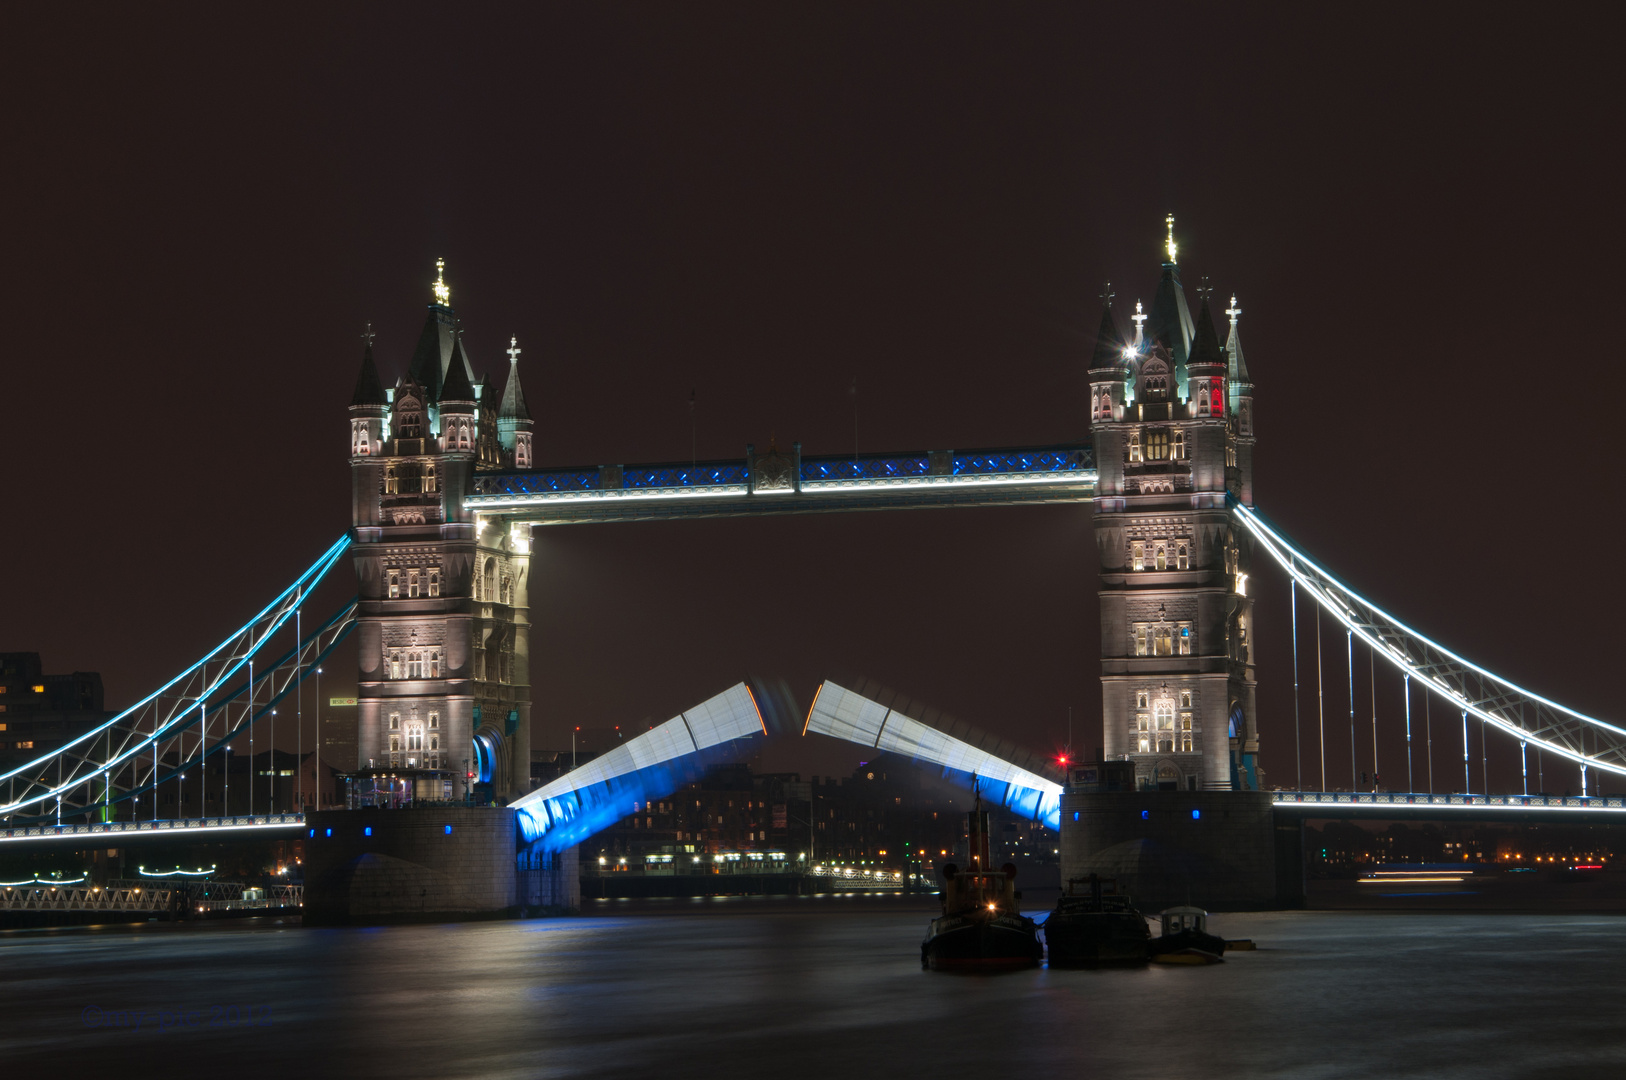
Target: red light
{"x":471,"y":776}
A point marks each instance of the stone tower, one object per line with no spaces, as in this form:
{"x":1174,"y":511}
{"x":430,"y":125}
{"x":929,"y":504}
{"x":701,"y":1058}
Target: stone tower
{"x":1172,"y":417}
{"x":442,"y":632}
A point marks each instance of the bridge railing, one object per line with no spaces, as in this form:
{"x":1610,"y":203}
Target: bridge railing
{"x":1505,"y":706}
{"x":1394,"y":800}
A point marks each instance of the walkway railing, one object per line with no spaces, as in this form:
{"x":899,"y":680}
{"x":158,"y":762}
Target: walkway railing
{"x":165,"y":827}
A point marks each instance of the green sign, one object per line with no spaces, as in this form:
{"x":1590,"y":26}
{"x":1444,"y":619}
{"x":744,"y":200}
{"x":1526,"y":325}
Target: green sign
{"x":341,"y":701}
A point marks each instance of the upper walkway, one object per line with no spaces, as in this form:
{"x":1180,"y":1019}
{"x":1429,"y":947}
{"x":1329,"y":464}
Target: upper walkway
{"x":781,"y":482}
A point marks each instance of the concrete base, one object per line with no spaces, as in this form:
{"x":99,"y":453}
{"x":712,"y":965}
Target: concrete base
{"x":434,"y":864}
{"x":1215,"y":849}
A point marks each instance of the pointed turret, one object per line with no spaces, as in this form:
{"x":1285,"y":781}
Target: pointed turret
{"x":458,"y":386}
{"x":514,"y":417}
{"x":369,"y":387}
{"x":1237,"y":366}
{"x":1170,"y":320}
{"x":433,"y":353}
{"x":1110,"y":365}
{"x":1205,"y":368}
{"x":1109,"y":343}
{"x":369,"y":405}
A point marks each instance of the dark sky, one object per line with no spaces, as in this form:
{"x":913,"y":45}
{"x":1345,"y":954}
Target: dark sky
{"x":759,"y":204}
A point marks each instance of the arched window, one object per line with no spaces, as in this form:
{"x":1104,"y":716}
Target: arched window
{"x":429,"y":479}
{"x":489,"y":585}
{"x":1163,"y":640}
{"x":1202,"y":402}
{"x":434,"y":673}
{"x":1140,"y":640}
{"x":1182,"y":639}
{"x":1182,"y":560}
{"x":1138,"y":553}
{"x":1162,"y":558}
{"x":1134,"y":446}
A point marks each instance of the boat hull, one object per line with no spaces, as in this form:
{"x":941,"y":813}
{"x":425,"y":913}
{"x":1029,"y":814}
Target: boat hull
{"x":1188,"y":947}
{"x":999,"y":942}
{"x":1090,"y":939}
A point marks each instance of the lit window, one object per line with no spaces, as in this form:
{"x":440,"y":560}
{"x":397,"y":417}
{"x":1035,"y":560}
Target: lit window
{"x":434,"y":673}
{"x":1180,"y":443}
{"x":1185,"y":699}
{"x":1163,"y":640}
{"x":1182,"y":559}
{"x":1157,"y":446}
{"x":395,"y":664}
{"x":1145,"y":744}
{"x":1138,"y":554}
{"x":1183,"y":638}
{"x":429,"y":477}
{"x":392,"y":483}
{"x":39,"y":689}
{"x":1162,"y":558}
{"x":395,"y":721}
{"x":395,"y":584}
{"x":415,"y":738}
{"x":26,"y":744}
{"x":395,"y":744}
{"x":1202,"y":402}
{"x":1185,"y":744}
{"x":1143,"y":722}
{"x":412,"y":583}
{"x":434,"y":721}
{"x":1140,"y":640}
{"x":434,"y":582}
{"x":1185,"y":721}
{"x":1163,"y":712}
{"x":1140,"y":700}
{"x":1134,"y":446}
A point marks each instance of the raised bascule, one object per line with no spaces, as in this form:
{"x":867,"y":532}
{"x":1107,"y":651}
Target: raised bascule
{"x":446,"y":494}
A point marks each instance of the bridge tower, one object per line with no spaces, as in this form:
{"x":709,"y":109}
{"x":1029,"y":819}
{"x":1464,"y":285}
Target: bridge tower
{"x":443,"y":627}
{"x":1172,"y":418}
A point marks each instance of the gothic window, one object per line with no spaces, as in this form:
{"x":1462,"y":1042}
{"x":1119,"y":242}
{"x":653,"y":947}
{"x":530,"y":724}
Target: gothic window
{"x":1182,"y":560}
{"x":395,"y":744}
{"x":395,"y":671}
{"x":415,"y":665}
{"x":434,"y":721}
{"x":1163,"y":713}
{"x":1134,"y":446}
{"x":1162,"y":640}
{"x":1162,"y":558}
{"x":429,"y":477}
{"x":1144,"y":744}
{"x":434,"y":665}
{"x":395,"y":721}
{"x":1185,"y":700}
{"x":1140,"y":700}
{"x":415,"y":739}
{"x":412,"y":583}
{"x":1180,"y":443}
{"x":1185,"y":744}
{"x":1140,"y":639}
{"x":522,"y":450}
{"x":1202,"y":402}
{"x":1157,"y":446}
{"x":1139,"y":556}
{"x":434,"y":582}
{"x":395,"y":584}
{"x":1182,"y":637}
{"x":489,"y":592}
{"x":392,"y":482}
{"x":1095,"y":405}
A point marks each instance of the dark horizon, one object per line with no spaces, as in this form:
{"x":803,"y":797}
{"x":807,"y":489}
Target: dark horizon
{"x":759,"y":208}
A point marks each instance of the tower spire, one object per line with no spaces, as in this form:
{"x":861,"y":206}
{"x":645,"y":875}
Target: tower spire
{"x":1170,"y":246}
{"x":443,"y":291}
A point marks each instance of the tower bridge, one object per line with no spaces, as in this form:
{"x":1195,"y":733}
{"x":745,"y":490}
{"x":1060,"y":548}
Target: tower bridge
{"x":446,"y":494}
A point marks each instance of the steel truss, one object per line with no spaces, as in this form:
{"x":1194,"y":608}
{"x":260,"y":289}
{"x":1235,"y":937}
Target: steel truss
{"x":193,"y":716}
{"x":1509,"y":708}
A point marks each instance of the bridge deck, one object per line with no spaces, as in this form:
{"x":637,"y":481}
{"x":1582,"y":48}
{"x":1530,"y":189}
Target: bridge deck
{"x":789,"y":484}
{"x":1380,"y":804}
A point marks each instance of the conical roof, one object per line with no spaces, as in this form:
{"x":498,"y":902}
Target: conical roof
{"x":369,"y":388}
{"x":1233,"y":348}
{"x":1109,"y":343}
{"x":1205,"y":346}
{"x":458,"y":386}
{"x":426,"y":362}
{"x":1169,"y":322}
{"x":513,"y":396}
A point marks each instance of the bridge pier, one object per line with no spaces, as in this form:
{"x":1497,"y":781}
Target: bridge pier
{"x":1216,"y":849}
{"x":434,"y":864}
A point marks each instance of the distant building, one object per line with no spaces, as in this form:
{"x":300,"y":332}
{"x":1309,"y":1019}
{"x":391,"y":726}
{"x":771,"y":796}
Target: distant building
{"x":39,"y":712}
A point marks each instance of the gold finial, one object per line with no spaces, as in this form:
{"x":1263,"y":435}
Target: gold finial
{"x":1171,"y":245}
{"x":443,"y":292}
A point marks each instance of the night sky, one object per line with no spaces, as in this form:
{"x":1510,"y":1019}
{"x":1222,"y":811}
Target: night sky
{"x":759,"y":205}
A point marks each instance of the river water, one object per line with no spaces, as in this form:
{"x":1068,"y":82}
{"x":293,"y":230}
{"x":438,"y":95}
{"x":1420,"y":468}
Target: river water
{"x":788,"y":989}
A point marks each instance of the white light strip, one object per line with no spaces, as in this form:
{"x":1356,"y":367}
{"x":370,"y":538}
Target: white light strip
{"x":611,"y":494}
{"x":1289,"y":804}
{"x":146,"y":829}
{"x":1079,"y":477}
{"x":1270,"y":540}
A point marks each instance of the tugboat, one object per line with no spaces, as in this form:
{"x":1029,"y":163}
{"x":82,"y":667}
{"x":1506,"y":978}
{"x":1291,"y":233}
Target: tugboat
{"x":1099,"y":926}
{"x":980,"y":927}
{"x":1186,"y":940}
